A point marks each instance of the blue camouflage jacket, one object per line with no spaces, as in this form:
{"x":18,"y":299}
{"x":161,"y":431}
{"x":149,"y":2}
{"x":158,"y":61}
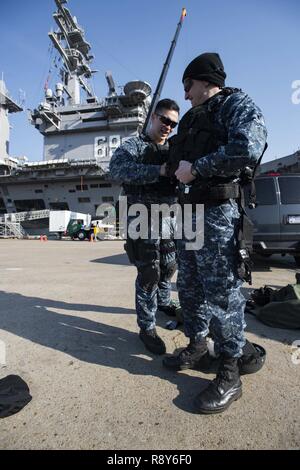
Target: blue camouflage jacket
{"x":126,"y":167}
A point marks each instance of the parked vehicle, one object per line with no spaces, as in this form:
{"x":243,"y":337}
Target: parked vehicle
{"x":76,"y":229}
{"x":96,"y":230}
{"x":60,"y":220}
{"x":277,"y":215}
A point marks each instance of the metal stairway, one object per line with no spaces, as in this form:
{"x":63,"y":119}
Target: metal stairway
{"x":12,"y":230}
{"x":10,"y":224}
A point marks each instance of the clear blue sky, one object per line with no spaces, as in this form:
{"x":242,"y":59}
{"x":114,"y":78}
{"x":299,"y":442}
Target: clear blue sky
{"x":258,"y":41}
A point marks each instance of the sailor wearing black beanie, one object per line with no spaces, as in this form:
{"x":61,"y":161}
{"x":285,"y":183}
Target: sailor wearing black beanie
{"x":207,"y":67}
{"x":218,"y":140}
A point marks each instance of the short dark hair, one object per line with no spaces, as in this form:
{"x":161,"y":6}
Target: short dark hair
{"x":168,"y":104}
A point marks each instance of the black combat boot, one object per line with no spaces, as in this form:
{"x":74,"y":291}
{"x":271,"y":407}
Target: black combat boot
{"x":222,"y":391}
{"x":170,"y":309}
{"x":188,"y":357}
{"x":152,"y":341}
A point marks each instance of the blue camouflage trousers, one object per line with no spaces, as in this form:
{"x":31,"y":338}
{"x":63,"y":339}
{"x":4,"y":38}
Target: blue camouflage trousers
{"x":209,"y":288}
{"x":155,"y":260}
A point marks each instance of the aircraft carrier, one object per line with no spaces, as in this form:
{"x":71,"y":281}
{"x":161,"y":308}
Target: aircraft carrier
{"x":80,"y":133}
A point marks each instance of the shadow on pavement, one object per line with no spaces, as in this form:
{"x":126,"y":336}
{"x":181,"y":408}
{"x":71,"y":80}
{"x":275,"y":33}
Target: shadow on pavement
{"x":265,"y":264}
{"x":89,"y":341}
{"x":120,"y":259}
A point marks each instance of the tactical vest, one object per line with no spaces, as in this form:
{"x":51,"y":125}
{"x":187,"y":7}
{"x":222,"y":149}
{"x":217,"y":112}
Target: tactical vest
{"x":197,"y":137}
{"x":154,"y":154}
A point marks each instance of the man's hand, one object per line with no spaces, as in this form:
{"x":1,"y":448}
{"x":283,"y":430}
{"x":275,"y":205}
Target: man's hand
{"x":183,"y":174}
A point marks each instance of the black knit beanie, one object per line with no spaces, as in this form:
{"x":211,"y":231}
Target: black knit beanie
{"x":207,"y":67}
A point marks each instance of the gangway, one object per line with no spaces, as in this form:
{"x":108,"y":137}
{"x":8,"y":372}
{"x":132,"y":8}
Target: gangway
{"x":22,"y":216}
{"x":10,"y":224}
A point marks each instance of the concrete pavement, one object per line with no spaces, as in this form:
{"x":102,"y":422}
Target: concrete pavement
{"x":69,"y":328}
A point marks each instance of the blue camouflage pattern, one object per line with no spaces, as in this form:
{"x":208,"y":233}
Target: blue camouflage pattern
{"x":126,"y":166}
{"x":154,"y":272}
{"x":208,"y":285}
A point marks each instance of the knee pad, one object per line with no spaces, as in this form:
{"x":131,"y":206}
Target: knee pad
{"x":168,"y":270}
{"x":149,"y":276}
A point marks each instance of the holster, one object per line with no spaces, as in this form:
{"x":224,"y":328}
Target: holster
{"x":141,"y":250}
{"x":245,"y":247}
{"x":129,"y":248}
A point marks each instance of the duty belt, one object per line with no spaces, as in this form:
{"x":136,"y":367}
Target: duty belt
{"x":213,"y":194}
{"x":154,"y":188}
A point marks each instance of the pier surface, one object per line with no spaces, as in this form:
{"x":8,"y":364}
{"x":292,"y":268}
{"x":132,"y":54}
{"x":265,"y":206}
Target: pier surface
{"x":68,"y":326}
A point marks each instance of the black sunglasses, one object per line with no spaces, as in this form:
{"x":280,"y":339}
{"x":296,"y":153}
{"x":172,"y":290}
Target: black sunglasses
{"x":166,"y":121}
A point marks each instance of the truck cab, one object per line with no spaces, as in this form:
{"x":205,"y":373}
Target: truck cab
{"x":77,"y":230}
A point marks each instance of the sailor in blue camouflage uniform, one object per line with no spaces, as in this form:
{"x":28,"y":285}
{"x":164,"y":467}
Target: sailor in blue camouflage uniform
{"x":140,"y":165}
{"x":218,"y":139}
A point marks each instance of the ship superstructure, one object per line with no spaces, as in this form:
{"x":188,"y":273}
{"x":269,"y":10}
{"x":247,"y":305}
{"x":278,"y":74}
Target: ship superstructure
{"x":80,"y":132}
{"x":7,"y":163}
{"x":7,"y":106}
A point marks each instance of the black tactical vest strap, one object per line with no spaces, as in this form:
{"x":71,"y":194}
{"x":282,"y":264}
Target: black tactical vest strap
{"x":197,"y":137}
{"x":197,"y":134}
{"x":154,"y":154}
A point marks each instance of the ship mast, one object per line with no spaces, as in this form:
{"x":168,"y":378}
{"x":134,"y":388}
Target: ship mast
{"x":74,"y":51}
{"x":7,"y":105}
{"x":65,"y":117}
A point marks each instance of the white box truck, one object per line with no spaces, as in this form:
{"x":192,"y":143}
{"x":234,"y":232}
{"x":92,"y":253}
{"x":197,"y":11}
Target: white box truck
{"x":59,"y":220}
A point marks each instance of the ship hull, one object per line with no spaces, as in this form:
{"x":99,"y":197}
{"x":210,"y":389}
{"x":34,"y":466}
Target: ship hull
{"x":77,"y":193}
